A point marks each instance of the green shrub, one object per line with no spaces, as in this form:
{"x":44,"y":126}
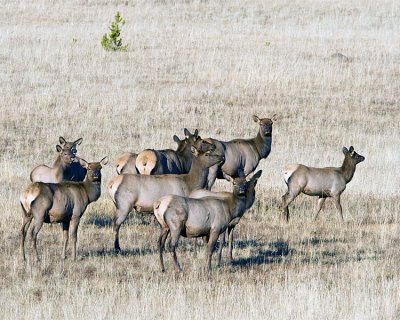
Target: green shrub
{"x":113,"y":41}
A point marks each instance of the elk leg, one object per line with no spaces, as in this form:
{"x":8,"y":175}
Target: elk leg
{"x":161,"y":245}
{"x":221,"y":245}
{"x":74,"y":233}
{"x":287,"y":198}
{"x":34,"y":232}
{"x":24,"y":230}
{"x":338,"y":205}
{"x":65,"y":227}
{"x":119,"y":218}
{"x":195,"y":247}
{"x":230,"y":241}
{"x":210,"y":248}
{"x":320,"y":204}
{"x":172,"y":246}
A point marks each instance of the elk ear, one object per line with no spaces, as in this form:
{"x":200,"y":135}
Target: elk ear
{"x":62,"y":140}
{"x":78,"y":142}
{"x":256,"y":119}
{"x":194,"y":151}
{"x":176,"y":139}
{"x":228,"y":177}
{"x":58,"y":148}
{"x":345,"y":150}
{"x":83,"y":163}
{"x":257,"y":175}
{"x":351,"y":149}
{"x":186,"y":132}
{"x":104,"y":161}
{"x":275,"y":117}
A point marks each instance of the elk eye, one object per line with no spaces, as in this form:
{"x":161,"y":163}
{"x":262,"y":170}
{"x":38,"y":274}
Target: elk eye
{"x":206,"y":154}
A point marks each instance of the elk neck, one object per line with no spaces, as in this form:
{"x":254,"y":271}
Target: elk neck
{"x":93,"y":189}
{"x":348,"y":168}
{"x":263,"y":144}
{"x":197,"y":176}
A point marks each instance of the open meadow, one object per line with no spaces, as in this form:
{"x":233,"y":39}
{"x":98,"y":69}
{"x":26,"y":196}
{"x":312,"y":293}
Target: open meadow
{"x":208,"y":65}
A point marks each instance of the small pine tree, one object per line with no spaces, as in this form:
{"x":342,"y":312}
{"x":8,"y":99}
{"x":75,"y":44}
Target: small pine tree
{"x":112,"y":41}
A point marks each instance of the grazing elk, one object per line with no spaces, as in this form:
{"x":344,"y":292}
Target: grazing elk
{"x":206,"y":217}
{"x":320,"y":182}
{"x":130,"y":191}
{"x":63,"y":202}
{"x":243,"y":155}
{"x":201,"y":193}
{"x":65,"y":167}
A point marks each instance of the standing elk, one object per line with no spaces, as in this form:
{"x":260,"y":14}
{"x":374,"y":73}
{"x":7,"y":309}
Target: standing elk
{"x":155,"y":162}
{"x":243,"y":155}
{"x":320,"y":182}
{"x":63,"y":202}
{"x":206,"y":217}
{"x":65,"y":167}
{"x":130,"y":191}
{"x":201,"y":193}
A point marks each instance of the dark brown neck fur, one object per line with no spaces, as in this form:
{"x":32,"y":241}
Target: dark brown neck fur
{"x":348,"y":168}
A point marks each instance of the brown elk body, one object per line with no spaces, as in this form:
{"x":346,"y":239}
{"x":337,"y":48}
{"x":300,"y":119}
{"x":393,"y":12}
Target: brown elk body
{"x":65,"y":167}
{"x":320,"y":182}
{"x":243,"y":155}
{"x":202,"y":193}
{"x":63,"y":202}
{"x":130,"y":191}
{"x":206,"y":217}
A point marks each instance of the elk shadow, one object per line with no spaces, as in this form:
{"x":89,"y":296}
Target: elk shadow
{"x":129,"y":252}
{"x":279,"y":250}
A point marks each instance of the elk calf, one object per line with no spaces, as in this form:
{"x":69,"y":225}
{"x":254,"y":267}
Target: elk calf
{"x":65,"y":167}
{"x":206,"y":217}
{"x":320,"y":182}
{"x":63,"y":202}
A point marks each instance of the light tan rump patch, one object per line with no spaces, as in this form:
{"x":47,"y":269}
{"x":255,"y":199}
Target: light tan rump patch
{"x":289,"y":171}
{"x":122,"y":160}
{"x":113,"y":186}
{"x":28,"y":195}
{"x":146,"y":161}
{"x":160,"y":207}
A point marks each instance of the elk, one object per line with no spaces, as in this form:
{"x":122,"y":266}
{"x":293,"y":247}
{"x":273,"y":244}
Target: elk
{"x":320,"y":182}
{"x":65,"y":167}
{"x":201,"y":193}
{"x":243,"y":155}
{"x":130,"y":191}
{"x":206,"y":217}
{"x":155,"y":162}
{"x":63,"y":202}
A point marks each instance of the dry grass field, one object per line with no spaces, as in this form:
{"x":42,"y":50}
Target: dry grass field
{"x":209,"y":65}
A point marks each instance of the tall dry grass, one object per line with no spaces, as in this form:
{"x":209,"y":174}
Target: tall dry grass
{"x":206,"y":65}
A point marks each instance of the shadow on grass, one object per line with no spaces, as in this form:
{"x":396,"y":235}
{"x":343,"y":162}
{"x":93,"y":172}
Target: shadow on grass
{"x":130,"y":252}
{"x":133,"y":218}
{"x":279,"y":250}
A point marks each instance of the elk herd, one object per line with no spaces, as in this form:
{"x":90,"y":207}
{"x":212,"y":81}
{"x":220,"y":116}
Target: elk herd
{"x":175,"y":186}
